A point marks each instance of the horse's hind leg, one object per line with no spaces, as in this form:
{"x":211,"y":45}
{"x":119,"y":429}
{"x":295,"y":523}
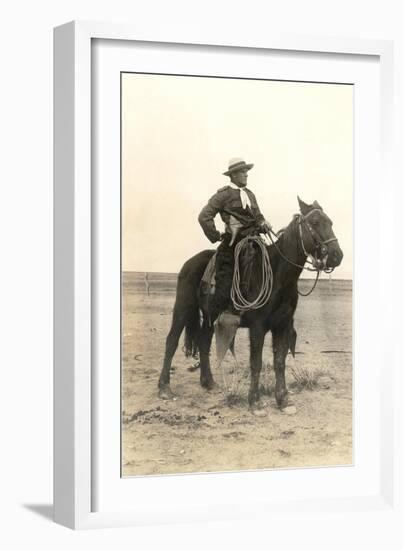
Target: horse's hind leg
{"x":171,"y":344}
{"x":205,"y":337}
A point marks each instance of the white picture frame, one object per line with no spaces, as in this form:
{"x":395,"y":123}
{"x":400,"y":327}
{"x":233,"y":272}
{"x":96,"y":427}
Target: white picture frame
{"x":76,"y":468}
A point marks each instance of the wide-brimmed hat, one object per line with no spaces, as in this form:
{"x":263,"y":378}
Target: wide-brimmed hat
{"x":236,"y":164}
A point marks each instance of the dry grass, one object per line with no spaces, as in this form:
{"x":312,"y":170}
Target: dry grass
{"x":233,"y":399}
{"x":306,"y":379}
{"x":237,"y":382}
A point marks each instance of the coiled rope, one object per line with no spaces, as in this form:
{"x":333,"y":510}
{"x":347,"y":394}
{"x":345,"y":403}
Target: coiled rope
{"x":239,"y":301}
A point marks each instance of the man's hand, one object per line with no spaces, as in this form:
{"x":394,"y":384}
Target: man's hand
{"x":265,"y":226}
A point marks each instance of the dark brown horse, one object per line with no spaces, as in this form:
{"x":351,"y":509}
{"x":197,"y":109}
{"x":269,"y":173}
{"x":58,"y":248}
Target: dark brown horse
{"x":309,"y":233}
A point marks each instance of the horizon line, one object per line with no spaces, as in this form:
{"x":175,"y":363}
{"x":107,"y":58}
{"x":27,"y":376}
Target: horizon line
{"x":175,"y":273}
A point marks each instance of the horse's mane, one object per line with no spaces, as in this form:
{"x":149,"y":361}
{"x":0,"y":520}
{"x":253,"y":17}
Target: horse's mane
{"x":285,"y":234}
{"x":281,"y":231}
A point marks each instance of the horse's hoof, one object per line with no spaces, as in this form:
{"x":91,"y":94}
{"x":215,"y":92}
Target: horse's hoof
{"x":210,"y":386}
{"x":166,"y":394}
{"x":258,"y":408}
{"x":290,"y":409}
{"x":257,"y":411}
{"x":282,"y":400}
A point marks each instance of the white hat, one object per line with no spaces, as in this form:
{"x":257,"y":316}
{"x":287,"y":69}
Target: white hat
{"x":236,"y":164}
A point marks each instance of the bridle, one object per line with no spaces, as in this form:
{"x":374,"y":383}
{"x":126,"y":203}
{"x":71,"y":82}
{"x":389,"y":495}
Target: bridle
{"x":321,"y":247}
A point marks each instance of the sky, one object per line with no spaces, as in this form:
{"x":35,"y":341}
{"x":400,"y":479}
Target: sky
{"x":178,"y":134}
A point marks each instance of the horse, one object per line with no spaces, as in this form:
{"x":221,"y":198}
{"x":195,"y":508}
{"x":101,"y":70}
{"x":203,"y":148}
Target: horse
{"x":309,"y":233}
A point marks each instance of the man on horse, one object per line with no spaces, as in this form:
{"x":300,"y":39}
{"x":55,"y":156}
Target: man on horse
{"x":234,"y":203}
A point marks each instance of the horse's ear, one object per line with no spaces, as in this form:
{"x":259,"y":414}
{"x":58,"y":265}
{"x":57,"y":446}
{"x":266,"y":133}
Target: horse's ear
{"x":304,"y":208}
{"x":317,"y":205}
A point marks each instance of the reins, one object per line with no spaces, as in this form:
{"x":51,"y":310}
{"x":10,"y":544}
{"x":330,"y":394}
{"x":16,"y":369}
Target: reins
{"x":313,"y":288}
{"x":296,"y":265}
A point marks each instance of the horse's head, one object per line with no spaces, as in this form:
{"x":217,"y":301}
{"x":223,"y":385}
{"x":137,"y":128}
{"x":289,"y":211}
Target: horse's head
{"x":317,"y":236}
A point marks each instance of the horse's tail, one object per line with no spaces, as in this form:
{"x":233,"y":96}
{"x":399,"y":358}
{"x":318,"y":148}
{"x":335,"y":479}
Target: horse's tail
{"x":192,"y":329}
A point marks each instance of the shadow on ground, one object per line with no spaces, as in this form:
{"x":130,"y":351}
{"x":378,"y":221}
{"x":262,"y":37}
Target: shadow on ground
{"x":44,"y":510}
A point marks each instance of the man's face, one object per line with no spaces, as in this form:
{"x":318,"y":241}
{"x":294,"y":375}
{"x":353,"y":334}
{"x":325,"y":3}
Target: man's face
{"x":240,"y":178}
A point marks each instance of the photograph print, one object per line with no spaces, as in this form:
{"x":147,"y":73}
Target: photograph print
{"x":237,"y":270}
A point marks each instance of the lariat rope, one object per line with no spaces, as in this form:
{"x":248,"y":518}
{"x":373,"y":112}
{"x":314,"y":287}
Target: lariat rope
{"x":239,"y":301}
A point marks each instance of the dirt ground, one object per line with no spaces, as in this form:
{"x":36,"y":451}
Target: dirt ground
{"x":214,"y":431}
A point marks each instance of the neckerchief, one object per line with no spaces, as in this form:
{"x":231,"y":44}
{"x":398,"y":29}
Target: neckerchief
{"x":245,"y":200}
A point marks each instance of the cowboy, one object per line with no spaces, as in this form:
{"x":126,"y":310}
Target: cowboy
{"x":232,"y":202}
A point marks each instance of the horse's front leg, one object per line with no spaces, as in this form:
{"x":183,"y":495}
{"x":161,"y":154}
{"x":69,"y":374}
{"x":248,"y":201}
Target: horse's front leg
{"x":280,"y":350}
{"x":256,"y":335}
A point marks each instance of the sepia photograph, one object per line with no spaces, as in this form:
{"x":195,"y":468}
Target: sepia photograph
{"x":236,"y":274}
